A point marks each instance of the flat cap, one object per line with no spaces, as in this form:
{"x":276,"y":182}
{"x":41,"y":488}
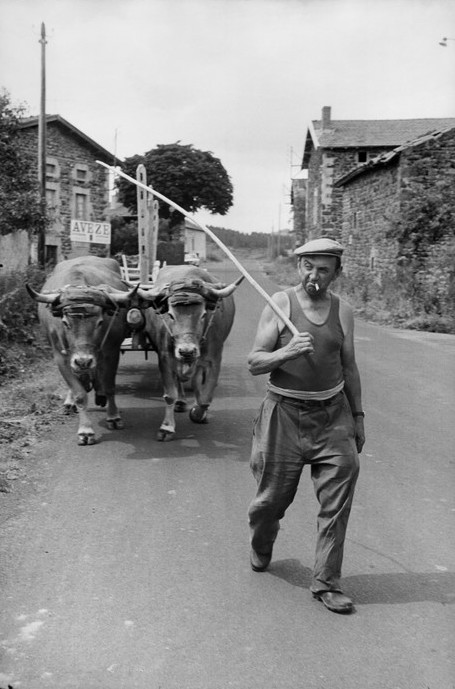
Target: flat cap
{"x":322,"y":246}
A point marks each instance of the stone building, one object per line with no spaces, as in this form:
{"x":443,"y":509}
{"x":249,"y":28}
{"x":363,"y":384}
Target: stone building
{"x":298,"y":205}
{"x":377,"y":194}
{"x":334,"y":147}
{"x":77,"y":188}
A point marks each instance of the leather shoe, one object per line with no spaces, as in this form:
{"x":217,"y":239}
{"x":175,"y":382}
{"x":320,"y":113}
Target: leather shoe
{"x":259,"y":561}
{"x":335,"y":601}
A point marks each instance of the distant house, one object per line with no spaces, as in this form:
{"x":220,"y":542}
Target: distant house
{"x":378,"y":194}
{"x":77,"y":188}
{"x":195,"y":239}
{"x":334,"y":147}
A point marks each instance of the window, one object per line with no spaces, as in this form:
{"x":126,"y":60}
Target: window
{"x":81,"y":203}
{"x":362,"y":156}
{"x":51,"y":198}
{"x":81,"y":175}
{"x":52,"y":169}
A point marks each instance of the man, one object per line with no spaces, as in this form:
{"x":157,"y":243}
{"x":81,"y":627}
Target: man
{"x":312,"y":414}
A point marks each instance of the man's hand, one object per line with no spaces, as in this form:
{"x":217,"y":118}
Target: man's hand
{"x":359,"y":433}
{"x":302,"y":343}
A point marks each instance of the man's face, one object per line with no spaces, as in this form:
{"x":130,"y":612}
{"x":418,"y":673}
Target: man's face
{"x":317,"y":272}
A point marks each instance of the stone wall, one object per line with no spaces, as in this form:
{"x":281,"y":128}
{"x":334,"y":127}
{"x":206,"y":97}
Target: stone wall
{"x":429,"y":163}
{"x":376,"y":199}
{"x":370,"y":202}
{"x":324,"y":211}
{"x":71,"y":170}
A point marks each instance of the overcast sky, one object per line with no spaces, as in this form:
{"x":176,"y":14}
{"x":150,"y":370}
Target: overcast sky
{"x":240,"y":78}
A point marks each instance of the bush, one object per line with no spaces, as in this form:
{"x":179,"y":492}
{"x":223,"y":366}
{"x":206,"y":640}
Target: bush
{"x":18,"y":320}
{"x":431,"y":323}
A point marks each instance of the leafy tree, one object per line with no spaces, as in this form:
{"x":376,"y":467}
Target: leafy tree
{"x":192,"y":178}
{"x":19,"y":193}
{"x":124,"y":236}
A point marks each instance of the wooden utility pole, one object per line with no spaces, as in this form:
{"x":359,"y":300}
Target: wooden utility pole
{"x":42,"y":154}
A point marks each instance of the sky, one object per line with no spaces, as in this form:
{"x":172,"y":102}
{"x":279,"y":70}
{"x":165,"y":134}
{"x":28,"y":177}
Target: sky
{"x":239,"y":78}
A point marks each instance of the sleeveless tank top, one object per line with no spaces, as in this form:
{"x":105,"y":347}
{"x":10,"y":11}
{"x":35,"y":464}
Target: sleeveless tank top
{"x":321,"y":370}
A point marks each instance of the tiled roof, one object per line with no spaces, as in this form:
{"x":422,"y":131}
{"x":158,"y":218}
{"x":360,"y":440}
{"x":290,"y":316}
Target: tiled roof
{"x":33,"y":122}
{"x":386,"y":158}
{"x":347,"y":133}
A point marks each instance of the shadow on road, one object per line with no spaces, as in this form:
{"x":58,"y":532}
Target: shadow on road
{"x":372,"y":589}
{"x":226,"y":436}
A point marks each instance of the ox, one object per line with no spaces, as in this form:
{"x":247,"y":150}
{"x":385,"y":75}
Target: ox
{"x":81,"y":314}
{"x":190,"y":317}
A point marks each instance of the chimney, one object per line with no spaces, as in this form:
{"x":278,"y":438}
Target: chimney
{"x":326,"y":110}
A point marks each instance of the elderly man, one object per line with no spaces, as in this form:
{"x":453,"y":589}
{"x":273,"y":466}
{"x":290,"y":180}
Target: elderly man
{"x":312,"y":414}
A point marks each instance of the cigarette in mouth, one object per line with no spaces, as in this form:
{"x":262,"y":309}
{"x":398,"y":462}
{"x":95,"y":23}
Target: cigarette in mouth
{"x":316,"y":287}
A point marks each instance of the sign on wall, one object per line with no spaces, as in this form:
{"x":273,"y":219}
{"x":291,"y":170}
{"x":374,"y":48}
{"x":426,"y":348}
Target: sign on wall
{"x":93,"y":232}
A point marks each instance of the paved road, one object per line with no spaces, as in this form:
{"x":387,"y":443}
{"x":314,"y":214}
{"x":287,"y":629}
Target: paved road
{"x":128,"y":564}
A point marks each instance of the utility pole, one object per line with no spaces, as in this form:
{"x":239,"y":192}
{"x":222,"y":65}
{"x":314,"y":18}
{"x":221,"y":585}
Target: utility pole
{"x":278,"y":249}
{"x":42,"y":153}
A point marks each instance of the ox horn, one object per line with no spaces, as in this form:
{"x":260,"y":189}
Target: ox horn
{"x":122,"y":298}
{"x":152,"y":294}
{"x":45,"y":297}
{"x":221,"y":293}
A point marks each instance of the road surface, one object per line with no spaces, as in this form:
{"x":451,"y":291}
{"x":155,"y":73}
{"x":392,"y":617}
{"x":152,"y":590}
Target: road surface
{"x":128,"y":563}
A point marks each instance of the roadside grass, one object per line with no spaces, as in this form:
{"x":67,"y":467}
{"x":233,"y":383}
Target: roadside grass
{"x":29,"y":390}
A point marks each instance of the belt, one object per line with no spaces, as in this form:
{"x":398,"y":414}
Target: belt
{"x":305,"y":404}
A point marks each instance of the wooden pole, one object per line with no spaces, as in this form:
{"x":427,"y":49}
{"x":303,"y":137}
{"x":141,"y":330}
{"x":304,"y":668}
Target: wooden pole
{"x":154,"y":225}
{"x":143,"y":224}
{"x":217,"y":241}
{"x":42,"y":154}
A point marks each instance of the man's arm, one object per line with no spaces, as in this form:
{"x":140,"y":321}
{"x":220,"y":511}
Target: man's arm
{"x":352,"y":385}
{"x":263,"y":358}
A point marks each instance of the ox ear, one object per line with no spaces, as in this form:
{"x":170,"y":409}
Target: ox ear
{"x":45,"y":297}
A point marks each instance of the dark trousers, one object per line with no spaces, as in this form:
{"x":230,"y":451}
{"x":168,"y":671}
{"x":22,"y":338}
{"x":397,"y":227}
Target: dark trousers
{"x":287,"y":435}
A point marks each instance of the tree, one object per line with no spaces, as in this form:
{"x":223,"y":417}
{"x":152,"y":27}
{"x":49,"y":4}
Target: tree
{"x":124,"y":236}
{"x":192,"y":178}
{"x":19,"y":192}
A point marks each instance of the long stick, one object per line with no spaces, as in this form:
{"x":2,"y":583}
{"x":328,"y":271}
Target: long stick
{"x":218,"y":241}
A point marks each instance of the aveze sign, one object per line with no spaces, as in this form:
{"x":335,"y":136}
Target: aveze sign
{"x":93,"y":232}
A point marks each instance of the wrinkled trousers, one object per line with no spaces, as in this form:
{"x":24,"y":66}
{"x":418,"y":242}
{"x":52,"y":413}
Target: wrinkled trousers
{"x":288,"y":434}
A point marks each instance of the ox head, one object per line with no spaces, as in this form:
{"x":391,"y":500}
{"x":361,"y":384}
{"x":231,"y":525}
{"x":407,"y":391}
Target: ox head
{"x":87,"y":314}
{"x":187,"y":307}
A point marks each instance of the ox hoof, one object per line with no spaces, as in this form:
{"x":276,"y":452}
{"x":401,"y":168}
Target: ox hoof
{"x":198,"y":414}
{"x":180,"y":406}
{"x":86,"y":439}
{"x":69,"y":409}
{"x":165,"y":435}
{"x":115,"y":424}
{"x":100,"y":400}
